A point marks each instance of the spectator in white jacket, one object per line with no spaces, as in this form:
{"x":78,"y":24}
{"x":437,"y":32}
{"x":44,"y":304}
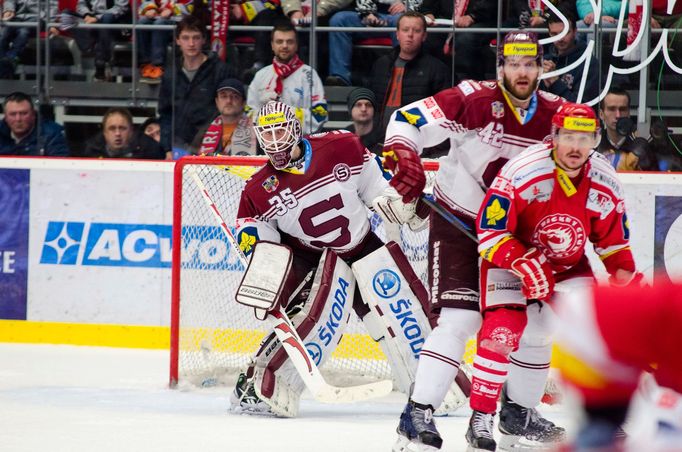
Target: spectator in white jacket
{"x":291,"y":81}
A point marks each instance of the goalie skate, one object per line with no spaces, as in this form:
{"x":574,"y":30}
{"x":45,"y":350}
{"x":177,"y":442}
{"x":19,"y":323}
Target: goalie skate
{"x":417,"y":431}
{"x":244,"y":399}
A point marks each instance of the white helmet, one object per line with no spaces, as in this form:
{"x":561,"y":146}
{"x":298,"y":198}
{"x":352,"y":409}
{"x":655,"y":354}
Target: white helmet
{"x":278,"y":131}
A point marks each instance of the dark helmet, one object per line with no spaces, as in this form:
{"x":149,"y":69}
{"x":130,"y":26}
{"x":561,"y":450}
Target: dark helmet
{"x":519,"y":43}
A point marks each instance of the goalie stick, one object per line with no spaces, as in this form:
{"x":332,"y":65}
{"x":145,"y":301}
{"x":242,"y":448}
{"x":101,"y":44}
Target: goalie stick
{"x":291,"y":341}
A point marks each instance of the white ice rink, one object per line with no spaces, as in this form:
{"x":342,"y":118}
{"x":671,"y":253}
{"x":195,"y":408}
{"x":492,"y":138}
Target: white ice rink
{"x":65,"y":398}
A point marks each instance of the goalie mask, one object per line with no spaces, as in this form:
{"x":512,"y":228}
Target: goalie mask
{"x":516,"y":73}
{"x":278,"y":131}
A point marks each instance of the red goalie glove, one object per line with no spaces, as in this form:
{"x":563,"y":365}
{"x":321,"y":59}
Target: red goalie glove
{"x":409,"y":178}
{"x":536,"y":275}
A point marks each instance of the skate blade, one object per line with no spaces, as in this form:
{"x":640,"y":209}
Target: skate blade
{"x":240,"y":410}
{"x":514,"y":443}
{"x":404,"y":444}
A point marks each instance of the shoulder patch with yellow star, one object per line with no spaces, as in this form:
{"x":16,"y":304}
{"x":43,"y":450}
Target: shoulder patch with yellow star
{"x":412,"y":116}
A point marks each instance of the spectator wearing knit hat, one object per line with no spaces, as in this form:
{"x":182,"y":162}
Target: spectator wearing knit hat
{"x":362,"y":105}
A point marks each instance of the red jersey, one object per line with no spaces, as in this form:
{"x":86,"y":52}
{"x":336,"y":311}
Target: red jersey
{"x":484,"y":130}
{"x":534,"y":202}
{"x":322,"y":204}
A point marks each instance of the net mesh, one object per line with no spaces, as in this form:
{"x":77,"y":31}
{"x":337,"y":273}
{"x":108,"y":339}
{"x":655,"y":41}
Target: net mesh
{"x":217,"y":336}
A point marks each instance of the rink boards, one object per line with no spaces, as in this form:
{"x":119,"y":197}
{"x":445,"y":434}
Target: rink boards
{"x":85,"y":248}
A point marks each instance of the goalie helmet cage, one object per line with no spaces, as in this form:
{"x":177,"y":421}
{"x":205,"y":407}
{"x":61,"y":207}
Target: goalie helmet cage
{"x":212,"y":336}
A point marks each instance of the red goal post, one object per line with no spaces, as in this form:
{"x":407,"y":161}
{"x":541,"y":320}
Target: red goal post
{"x":213,"y":337}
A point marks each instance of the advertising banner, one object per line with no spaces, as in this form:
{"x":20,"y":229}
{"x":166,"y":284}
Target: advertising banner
{"x":14,"y":222}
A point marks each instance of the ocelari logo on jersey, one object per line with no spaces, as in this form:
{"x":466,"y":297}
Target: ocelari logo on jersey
{"x":496,"y":213}
{"x":412,"y":116}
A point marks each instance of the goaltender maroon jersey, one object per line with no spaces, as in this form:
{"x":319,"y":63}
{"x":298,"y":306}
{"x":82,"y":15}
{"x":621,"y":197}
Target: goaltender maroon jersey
{"x":534,"y":202}
{"x":484,"y":130}
{"x":320,"y":205}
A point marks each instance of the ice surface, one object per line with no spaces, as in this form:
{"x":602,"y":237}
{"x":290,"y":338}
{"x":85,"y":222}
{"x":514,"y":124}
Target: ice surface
{"x":65,"y":398}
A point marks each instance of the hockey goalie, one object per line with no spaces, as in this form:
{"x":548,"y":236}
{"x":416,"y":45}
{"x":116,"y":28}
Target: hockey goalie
{"x":302,"y":219}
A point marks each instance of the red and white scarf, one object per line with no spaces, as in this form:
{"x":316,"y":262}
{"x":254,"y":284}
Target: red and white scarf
{"x":284,"y":70}
{"x":460,"y":9}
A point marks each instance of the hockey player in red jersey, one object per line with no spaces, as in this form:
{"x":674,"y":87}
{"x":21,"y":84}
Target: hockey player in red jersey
{"x":305,"y":210}
{"x":487,"y":123}
{"x":607,"y":336}
{"x":537,"y":216}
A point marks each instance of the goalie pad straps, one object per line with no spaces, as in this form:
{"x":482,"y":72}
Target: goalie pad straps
{"x":268,"y":272}
{"x":397,"y":320}
{"x":320,"y":325}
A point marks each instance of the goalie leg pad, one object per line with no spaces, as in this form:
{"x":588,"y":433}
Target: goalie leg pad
{"x":320,"y":324}
{"x":394,"y":294}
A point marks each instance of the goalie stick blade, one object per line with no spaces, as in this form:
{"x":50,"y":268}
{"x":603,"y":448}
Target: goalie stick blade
{"x":335,"y":394}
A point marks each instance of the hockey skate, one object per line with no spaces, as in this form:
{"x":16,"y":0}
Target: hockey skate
{"x":417,"y":431}
{"x":244,"y":399}
{"x":480,"y":432}
{"x":525,"y":429}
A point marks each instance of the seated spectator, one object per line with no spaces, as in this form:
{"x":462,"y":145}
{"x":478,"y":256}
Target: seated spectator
{"x":20,"y":134}
{"x":259,"y":13}
{"x":533,"y":13}
{"x":610,"y":12}
{"x":369,"y":13}
{"x":562,"y":53}
{"x":300,"y":13}
{"x":362,"y":106}
{"x":472,"y":49}
{"x":625,"y":151}
{"x":13,"y":40}
{"x":231,"y":133}
{"x":661,"y":19}
{"x":152,"y":43}
{"x":188,"y":87}
{"x":100,"y":40}
{"x":118,"y":140}
{"x":152,"y":128}
{"x":291,"y":81}
{"x":407,"y":74}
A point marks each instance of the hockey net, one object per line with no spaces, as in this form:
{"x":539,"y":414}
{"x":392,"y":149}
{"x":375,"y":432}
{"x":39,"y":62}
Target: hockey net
{"x":213,"y":337}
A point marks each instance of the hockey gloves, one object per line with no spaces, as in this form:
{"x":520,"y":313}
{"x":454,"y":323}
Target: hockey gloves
{"x":409,"y":178}
{"x":536,"y":275}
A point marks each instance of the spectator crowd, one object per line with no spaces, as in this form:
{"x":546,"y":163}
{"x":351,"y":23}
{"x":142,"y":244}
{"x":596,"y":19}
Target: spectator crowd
{"x":206,"y":105}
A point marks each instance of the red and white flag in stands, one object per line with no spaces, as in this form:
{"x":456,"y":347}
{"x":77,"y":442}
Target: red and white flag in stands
{"x":635,"y":12}
{"x":220,"y":13}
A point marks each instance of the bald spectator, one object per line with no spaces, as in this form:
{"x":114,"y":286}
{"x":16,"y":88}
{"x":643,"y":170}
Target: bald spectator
{"x":21,"y":134}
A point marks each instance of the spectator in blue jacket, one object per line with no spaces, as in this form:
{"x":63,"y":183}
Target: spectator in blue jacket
{"x":610,"y":12}
{"x":562,"y":53}
{"x":20,"y":134}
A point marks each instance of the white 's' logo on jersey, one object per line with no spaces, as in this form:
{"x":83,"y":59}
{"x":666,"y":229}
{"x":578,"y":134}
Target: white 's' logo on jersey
{"x":341,"y":172}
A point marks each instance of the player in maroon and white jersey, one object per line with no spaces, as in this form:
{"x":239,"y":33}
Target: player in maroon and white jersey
{"x":487,"y":123}
{"x":309,"y":204}
{"x":538,"y":215}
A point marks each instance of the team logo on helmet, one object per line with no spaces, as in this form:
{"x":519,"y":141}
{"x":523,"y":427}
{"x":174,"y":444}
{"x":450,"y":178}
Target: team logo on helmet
{"x":560,"y":236}
{"x":386,"y":283}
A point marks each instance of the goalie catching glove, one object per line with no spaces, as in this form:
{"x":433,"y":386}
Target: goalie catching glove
{"x":394,"y":210}
{"x":536,"y":275}
{"x":409,"y":178}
